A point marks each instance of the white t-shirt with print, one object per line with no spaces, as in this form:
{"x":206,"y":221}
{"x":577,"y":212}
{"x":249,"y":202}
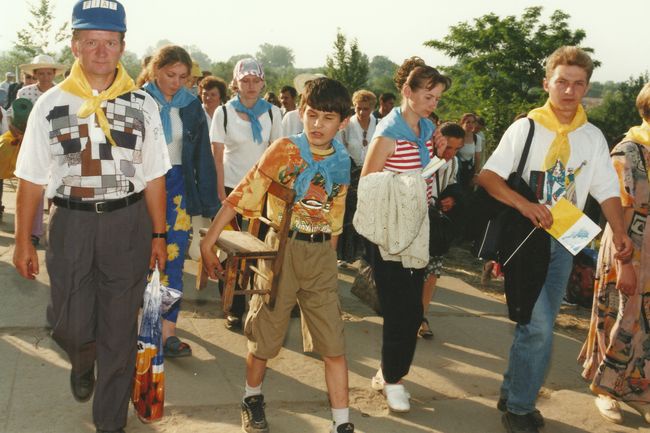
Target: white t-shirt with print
{"x":589,"y":164}
{"x":55,"y":141}
{"x":241,"y":152}
{"x":31,"y":92}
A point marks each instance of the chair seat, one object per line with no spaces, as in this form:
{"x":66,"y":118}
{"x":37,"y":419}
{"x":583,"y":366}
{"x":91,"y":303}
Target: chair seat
{"x":243,"y":244}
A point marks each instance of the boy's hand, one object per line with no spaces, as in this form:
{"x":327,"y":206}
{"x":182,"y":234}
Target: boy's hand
{"x":439,"y":142}
{"x":211,"y":262}
{"x":447,"y":203}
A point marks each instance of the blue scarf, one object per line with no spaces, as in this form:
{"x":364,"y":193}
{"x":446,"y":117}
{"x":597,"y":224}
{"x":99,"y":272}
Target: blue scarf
{"x":334,"y":168}
{"x":393,"y":126}
{"x":260,"y":107}
{"x":181,"y":99}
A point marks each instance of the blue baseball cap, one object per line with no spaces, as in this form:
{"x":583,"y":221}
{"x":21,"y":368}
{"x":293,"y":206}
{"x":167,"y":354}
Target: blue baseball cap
{"x":106,"y":15}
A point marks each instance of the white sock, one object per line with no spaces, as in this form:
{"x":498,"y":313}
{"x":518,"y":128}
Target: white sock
{"x":252,"y":390}
{"x":340,"y":416}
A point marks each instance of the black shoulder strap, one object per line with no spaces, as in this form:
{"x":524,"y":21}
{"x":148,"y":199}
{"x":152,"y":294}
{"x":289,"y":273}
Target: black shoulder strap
{"x":271,"y":114}
{"x":526,"y":151}
{"x":225,"y":119}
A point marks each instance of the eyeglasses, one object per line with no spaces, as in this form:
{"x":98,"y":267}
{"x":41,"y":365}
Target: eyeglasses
{"x":365,"y":140}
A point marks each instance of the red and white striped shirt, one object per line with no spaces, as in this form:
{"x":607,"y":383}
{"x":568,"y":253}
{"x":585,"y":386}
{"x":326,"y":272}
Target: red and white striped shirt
{"x":406,"y":157}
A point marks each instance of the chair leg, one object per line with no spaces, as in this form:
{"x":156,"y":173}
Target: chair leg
{"x":230,"y":284}
{"x":201,"y":276}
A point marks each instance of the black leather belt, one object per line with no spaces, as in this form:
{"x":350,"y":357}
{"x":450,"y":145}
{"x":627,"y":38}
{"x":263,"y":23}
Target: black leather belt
{"x":98,"y":206}
{"x":310,"y":237}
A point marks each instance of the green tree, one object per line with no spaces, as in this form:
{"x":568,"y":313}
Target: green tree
{"x":499,"y":64}
{"x":39,"y":37}
{"x":348,"y":65}
{"x":380,"y":75}
{"x":617,"y":112}
{"x":275,"y":56}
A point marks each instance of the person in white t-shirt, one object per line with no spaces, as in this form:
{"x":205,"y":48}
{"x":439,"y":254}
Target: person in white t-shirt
{"x":355,"y":136}
{"x":569,"y":159}
{"x":241,"y":131}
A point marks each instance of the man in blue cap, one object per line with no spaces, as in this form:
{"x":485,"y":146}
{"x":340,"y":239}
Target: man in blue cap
{"x":95,"y":143}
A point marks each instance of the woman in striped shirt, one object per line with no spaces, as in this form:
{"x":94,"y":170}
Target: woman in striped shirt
{"x":403,"y":142}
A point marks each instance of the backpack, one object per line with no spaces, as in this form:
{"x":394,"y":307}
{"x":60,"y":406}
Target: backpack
{"x":580,"y":288}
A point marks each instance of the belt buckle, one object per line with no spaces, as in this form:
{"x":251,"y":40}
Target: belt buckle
{"x":311,"y":237}
{"x":97,"y":209}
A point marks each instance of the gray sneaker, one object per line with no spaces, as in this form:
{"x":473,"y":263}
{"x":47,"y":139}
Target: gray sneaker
{"x":253,"y":419}
{"x":347,"y":427}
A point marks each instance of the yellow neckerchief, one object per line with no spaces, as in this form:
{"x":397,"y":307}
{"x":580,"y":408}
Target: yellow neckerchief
{"x":78,"y":85}
{"x":560,"y":148}
{"x":639,"y":134}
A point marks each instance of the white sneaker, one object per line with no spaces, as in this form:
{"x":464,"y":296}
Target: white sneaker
{"x":609,"y":408}
{"x":397,"y":398}
{"x":377,"y":382}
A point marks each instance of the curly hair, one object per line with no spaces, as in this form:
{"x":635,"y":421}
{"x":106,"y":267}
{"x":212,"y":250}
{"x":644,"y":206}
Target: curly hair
{"x":415,"y":73}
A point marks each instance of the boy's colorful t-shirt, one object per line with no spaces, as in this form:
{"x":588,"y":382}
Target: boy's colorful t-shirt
{"x":316,"y":212}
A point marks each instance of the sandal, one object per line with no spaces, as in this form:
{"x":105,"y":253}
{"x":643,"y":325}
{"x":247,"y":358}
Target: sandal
{"x":425,"y":331}
{"x":175,"y":348}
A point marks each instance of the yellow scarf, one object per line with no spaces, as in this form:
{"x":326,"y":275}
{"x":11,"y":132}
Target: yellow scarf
{"x":639,"y":134}
{"x":560,"y":148}
{"x":78,"y":85}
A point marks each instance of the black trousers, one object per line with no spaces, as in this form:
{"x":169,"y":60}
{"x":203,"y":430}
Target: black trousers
{"x":98,"y":265}
{"x":399,"y":291}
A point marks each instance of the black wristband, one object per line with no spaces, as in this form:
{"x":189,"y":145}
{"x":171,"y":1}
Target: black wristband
{"x":159,"y":235}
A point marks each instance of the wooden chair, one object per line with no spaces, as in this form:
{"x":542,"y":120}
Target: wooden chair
{"x":243,"y":249}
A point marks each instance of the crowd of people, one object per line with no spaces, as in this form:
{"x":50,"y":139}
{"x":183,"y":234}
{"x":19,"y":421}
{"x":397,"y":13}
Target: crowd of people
{"x":128,"y":170}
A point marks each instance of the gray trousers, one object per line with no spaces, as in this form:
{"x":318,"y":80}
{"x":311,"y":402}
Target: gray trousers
{"x":98,"y":265}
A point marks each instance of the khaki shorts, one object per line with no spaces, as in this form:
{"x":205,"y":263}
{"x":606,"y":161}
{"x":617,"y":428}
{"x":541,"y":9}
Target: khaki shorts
{"x":310,"y":277}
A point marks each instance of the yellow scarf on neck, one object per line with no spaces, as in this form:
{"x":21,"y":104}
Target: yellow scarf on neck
{"x":560,"y":148}
{"x":78,"y":85}
{"x":639,"y":134}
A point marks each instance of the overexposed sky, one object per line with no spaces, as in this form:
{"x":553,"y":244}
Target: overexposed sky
{"x":618,"y":31}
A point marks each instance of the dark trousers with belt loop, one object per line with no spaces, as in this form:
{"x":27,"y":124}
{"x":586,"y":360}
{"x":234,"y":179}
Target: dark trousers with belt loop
{"x":98,"y":265}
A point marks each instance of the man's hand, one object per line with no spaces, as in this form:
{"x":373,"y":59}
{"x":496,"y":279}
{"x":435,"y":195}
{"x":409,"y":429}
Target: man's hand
{"x":538,"y":214}
{"x":626,"y":278}
{"x":439,"y":143}
{"x":26,"y":260}
{"x":624,"y":246}
{"x":158,"y":253}
{"x":447,"y":203}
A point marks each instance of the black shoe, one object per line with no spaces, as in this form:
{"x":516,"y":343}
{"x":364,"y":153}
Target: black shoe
{"x":347,"y":427}
{"x":233,"y":322}
{"x":82,"y":385}
{"x":109,"y":431}
{"x":518,"y":423}
{"x":253,"y":419}
{"x":535,"y":415}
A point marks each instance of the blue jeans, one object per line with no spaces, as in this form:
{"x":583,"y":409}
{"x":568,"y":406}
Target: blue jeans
{"x":531,"y":348}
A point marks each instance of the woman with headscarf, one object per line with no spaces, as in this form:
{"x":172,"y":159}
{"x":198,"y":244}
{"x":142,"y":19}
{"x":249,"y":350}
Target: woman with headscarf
{"x":616,"y":354}
{"x":191,"y":181}
{"x":241,"y":130}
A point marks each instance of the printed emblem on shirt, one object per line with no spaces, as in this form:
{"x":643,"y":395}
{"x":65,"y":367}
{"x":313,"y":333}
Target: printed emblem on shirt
{"x":561,"y":182}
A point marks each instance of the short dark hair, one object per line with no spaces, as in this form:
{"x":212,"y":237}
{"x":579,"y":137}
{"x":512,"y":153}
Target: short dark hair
{"x":211,"y":82}
{"x":327,"y":94}
{"x":292,"y":91}
{"x":386,"y":97}
{"x":452,"y":129}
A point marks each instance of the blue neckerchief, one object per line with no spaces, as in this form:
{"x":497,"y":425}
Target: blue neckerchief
{"x":260,"y":107}
{"x":393,"y":126}
{"x":181,"y":99}
{"x":334,"y":168}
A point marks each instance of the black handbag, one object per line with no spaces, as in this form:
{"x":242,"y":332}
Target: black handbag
{"x":441,"y":230}
{"x":488,"y":215}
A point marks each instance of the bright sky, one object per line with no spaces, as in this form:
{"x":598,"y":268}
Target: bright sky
{"x":396,"y":29}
